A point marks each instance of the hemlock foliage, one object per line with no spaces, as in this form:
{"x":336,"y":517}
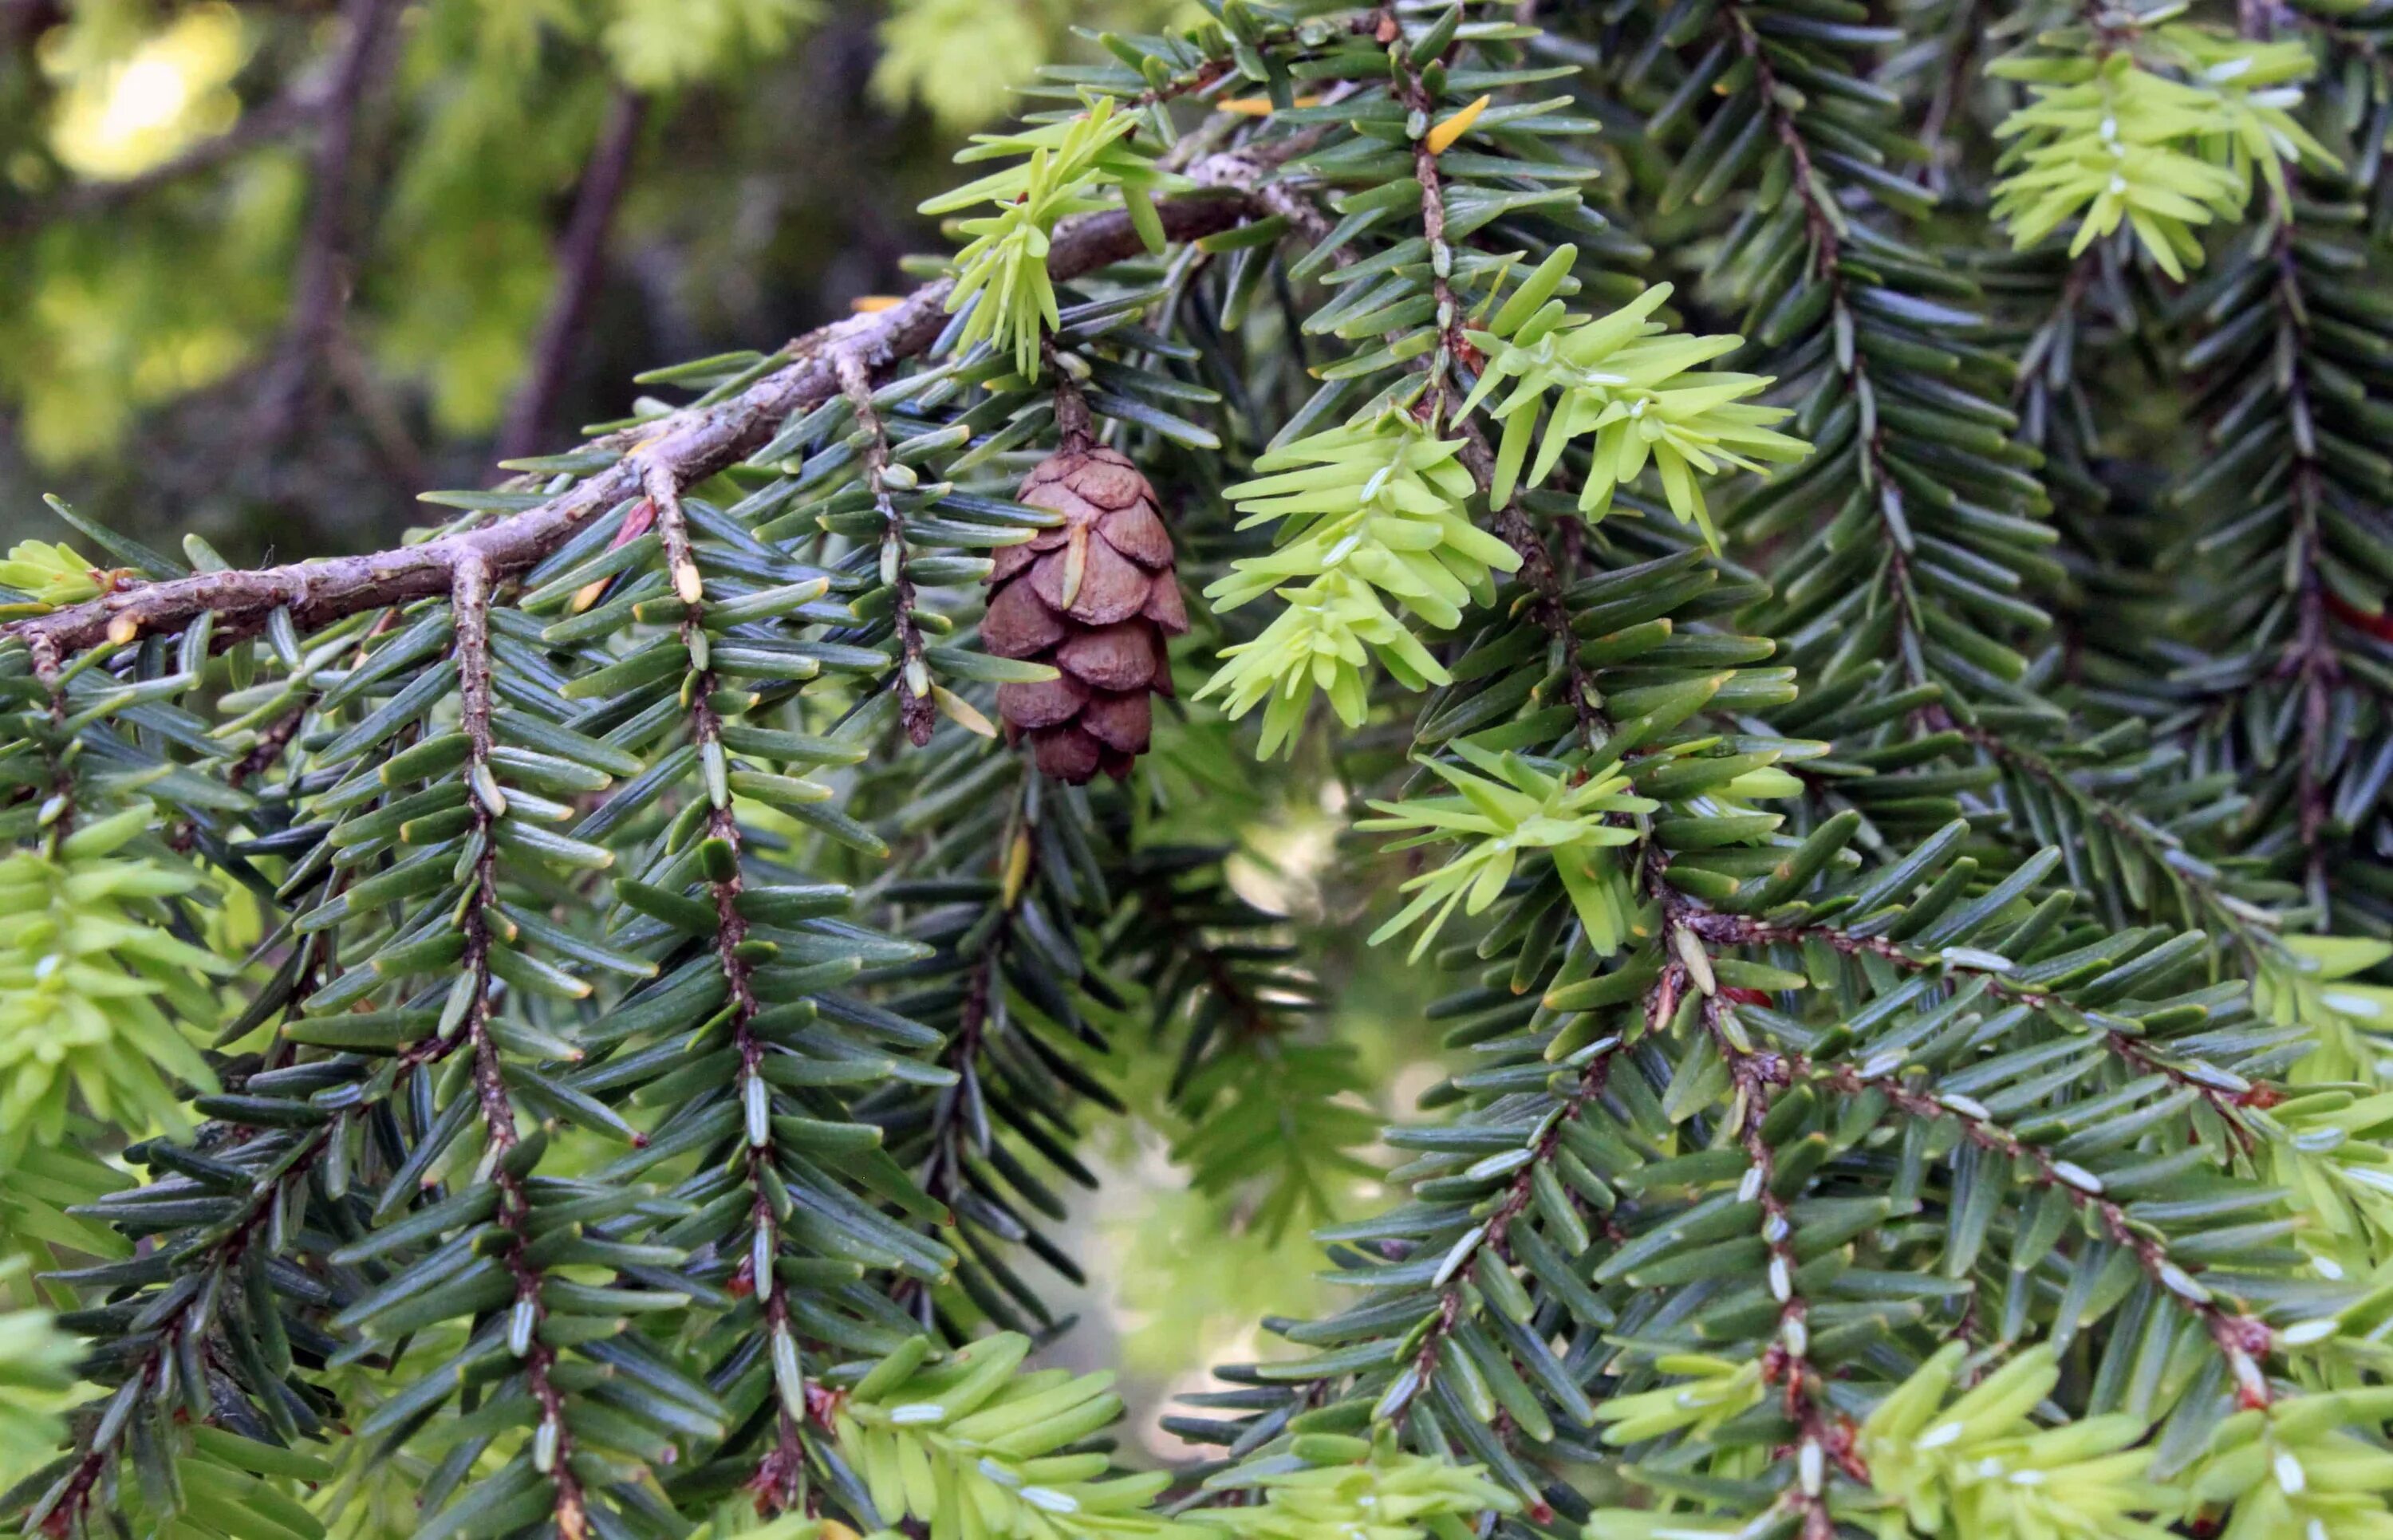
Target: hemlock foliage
{"x":1850,"y":563}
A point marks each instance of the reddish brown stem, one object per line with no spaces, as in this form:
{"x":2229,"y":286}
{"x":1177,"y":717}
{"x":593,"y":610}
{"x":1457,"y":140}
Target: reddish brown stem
{"x":471,"y":601}
{"x":915,"y":712}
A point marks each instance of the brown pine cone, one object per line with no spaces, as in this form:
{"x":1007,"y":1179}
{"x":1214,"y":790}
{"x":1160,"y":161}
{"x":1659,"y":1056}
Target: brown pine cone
{"x":1097,"y":597}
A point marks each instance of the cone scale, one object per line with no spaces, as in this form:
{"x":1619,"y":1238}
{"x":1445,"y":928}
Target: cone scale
{"x":1097,"y":597}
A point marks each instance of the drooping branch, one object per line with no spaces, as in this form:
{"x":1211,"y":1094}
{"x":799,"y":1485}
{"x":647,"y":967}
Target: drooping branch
{"x":915,"y":712}
{"x":1758,"y":1076}
{"x":1538,"y":573}
{"x":2248,"y":926}
{"x":687,"y":448}
{"x":778,"y":1480}
{"x":552,"y":1443}
{"x":2229,"y":1095}
{"x":1824,"y":226}
{"x":2241,"y":1339}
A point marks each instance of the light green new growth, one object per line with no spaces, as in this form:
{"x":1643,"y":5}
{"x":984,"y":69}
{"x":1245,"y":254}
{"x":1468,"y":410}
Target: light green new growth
{"x":1383,"y":498}
{"x":51,"y":574}
{"x":208,"y":1482}
{"x":2296,"y":1469}
{"x":2108,"y":138}
{"x":2337,"y":1174}
{"x":1330,"y":629}
{"x":2335,"y":1160}
{"x":36,"y":1382}
{"x":1352,"y":1488}
{"x":968,"y":1446}
{"x":1624,"y":379}
{"x":1978,"y":1468}
{"x":1713,"y":1392}
{"x":2312,"y":982}
{"x":1510,"y":807}
{"x":84,"y":968}
{"x":1004,"y":268}
{"x":1378,"y":506}
{"x":789,"y":1526}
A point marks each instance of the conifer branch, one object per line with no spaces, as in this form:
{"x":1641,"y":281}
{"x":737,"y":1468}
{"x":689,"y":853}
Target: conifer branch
{"x":2226,"y":1095}
{"x":916,"y":714}
{"x":778,"y":1480}
{"x":2252,"y":928}
{"x":2241,"y":1338}
{"x":175,"y":1347}
{"x":1824,"y":223}
{"x":686,"y":448}
{"x":958,"y":1120}
{"x":2311,"y":660}
{"x":552,"y":1443}
{"x":1791,"y":1152}
{"x":1455,"y":350}
{"x":1819,"y":1438}
{"x":1489,"y":1239}
{"x":2238,"y":1336}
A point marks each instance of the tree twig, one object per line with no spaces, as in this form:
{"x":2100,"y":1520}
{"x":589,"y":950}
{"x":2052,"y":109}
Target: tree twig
{"x":1821,"y":1436}
{"x":688,"y":448}
{"x":1537,"y":573}
{"x":2241,"y":1339}
{"x":581,"y":263}
{"x":1824,"y":224}
{"x":915,"y":711}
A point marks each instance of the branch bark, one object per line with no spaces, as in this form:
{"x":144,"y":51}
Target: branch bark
{"x":687,"y":448}
{"x":582,"y":263}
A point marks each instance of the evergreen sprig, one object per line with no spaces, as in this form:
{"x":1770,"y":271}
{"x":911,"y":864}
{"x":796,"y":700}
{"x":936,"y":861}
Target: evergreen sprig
{"x":582,"y":1026}
{"x":2109,"y":141}
{"x":1002,"y":273}
{"x":1625,"y":380}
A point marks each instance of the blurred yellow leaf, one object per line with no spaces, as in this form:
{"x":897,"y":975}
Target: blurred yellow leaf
{"x":119,"y":116}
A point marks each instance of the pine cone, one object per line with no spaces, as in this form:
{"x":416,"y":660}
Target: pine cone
{"x":1097,"y":597}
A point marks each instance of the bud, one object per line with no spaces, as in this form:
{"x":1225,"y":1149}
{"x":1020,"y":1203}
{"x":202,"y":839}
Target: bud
{"x":1097,"y":597}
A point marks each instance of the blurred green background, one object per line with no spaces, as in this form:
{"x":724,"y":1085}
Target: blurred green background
{"x":270,"y":266}
{"x":270,"y":269}
{"x":1177,"y":1281}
